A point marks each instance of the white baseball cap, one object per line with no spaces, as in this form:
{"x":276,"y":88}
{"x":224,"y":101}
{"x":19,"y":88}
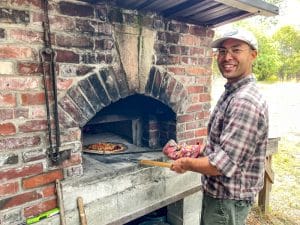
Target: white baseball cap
{"x":238,"y":34}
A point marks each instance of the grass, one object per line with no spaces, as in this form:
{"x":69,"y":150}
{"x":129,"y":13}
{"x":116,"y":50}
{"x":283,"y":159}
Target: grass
{"x":285,"y":195}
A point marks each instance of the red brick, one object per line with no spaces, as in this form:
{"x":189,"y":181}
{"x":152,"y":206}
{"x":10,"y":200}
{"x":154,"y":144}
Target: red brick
{"x":64,"y":84}
{"x":201,"y":132}
{"x":71,"y":135}
{"x":21,"y":172}
{"x":62,"y":23}
{"x":195,"y":70}
{"x":176,"y":94}
{"x":185,"y":135}
{"x":185,"y":118}
{"x":40,"y":207}
{"x":199,"y":115}
{"x":7,"y":129}
{"x":14,"y":52}
{"x":195,"y":108}
{"x":197,"y":51}
{"x":49,"y":191}
{"x":206,"y":114}
{"x":171,"y":86}
{"x":33,"y":125}
{"x":33,"y":99}
{"x":190,"y":40}
{"x":194,"y":141}
{"x":183,"y":95}
{"x":9,"y":188}
{"x":7,"y":100}
{"x":173,"y":59}
{"x":205,"y":80}
{"x":104,"y":44}
{"x":21,"y":113}
{"x":200,"y":141}
{"x":26,"y":3}
{"x":19,"y":83}
{"x":75,"y":159}
{"x":37,"y":112}
{"x":195,"y":89}
{"x":29,"y":68}
{"x":186,"y":80}
{"x":6,"y":114}
{"x":78,"y":10}
{"x":66,"y":121}
{"x":176,"y":70}
{"x":33,"y":155}
{"x":192,"y":125}
{"x":74,"y":42}
{"x":19,"y":142}
{"x":42,"y":179}
{"x":189,"y":61}
{"x":19,"y":199}
{"x":27,"y":36}
{"x":199,"y":31}
{"x":204,"y":97}
{"x":194,"y":99}
{"x":67,"y":56}
{"x":69,"y":106}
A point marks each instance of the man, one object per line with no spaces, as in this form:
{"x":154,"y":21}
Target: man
{"x":233,"y":159}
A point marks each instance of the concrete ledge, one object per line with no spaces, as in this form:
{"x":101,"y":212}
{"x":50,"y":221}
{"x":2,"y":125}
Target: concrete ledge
{"x":120,"y":198}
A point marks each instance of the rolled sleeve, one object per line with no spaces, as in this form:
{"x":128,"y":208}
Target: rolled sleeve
{"x":222,"y":162}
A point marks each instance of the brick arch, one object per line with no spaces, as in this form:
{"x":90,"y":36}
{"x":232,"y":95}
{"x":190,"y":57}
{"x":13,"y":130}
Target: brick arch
{"x":100,"y":89}
{"x":165,"y":88}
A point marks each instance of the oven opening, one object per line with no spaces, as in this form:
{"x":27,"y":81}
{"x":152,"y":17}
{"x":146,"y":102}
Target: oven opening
{"x":137,"y":122}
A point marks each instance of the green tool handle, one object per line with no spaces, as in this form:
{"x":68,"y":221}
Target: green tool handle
{"x":42,"y":216}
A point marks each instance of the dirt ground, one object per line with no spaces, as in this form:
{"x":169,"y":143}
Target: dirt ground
{"x":284,"y":208}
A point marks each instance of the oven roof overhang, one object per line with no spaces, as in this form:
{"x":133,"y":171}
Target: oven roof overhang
{"x":205,"y":13}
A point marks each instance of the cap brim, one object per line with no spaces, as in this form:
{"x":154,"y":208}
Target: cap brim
{"x":218,"y":42}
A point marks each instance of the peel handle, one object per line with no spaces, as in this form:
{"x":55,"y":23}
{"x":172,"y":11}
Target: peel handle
{"x":155,"y":163}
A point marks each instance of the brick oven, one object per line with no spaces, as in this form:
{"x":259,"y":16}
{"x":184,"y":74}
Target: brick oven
{"x":132,"y":72}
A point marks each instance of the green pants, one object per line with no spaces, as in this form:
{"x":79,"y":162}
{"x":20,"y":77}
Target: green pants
{"x":224,"y":211}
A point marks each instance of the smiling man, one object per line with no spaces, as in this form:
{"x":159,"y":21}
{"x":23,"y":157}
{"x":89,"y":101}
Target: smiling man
{"x":233,"y":158}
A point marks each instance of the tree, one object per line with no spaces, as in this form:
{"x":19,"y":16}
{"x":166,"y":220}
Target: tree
{"x":287,"y":40}
{"x":268,"y":62}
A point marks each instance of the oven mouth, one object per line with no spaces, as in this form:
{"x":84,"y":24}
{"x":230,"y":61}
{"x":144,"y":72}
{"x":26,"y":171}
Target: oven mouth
{"x":139,"y":124}
{"x":127,"y":158}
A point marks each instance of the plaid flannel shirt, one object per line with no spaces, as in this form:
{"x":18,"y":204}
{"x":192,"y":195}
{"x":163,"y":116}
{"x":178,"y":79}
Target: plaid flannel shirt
{"x":237,"y":140}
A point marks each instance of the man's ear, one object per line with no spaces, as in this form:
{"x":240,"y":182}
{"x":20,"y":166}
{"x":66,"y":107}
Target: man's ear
{"x":254,"y":54}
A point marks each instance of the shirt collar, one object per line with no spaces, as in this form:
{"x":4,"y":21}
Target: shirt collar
{"x":231,"y":87}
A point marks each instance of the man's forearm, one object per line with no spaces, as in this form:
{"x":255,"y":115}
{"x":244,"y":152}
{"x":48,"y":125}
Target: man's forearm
{"x":200,"y":165}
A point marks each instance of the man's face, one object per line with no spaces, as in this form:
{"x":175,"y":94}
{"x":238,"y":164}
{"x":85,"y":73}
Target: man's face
{"x":235,"y":59}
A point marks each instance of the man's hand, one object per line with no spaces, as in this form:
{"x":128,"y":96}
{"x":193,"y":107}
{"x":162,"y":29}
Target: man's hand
{"x":179,"y":165}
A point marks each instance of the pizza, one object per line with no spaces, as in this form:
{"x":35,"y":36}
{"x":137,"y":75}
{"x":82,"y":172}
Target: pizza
{"x":107,"y":147}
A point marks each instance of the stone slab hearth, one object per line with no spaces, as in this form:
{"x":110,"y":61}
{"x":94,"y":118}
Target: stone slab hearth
{"x":117,"y":193}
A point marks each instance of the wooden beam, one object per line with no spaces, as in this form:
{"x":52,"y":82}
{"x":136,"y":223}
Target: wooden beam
{"x":254,"y":6}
